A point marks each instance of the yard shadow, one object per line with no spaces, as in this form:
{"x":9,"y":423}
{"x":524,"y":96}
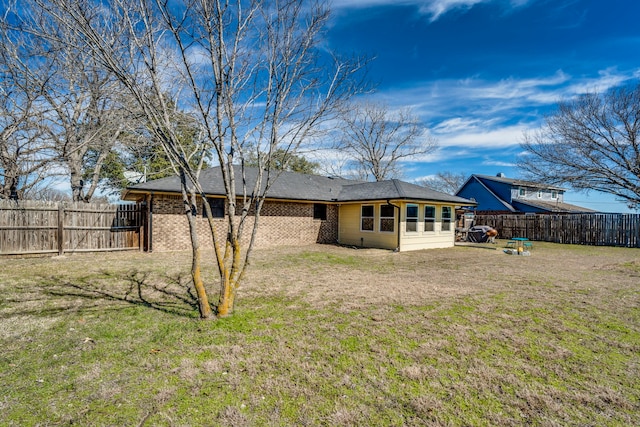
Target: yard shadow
{"x":104,"y":291}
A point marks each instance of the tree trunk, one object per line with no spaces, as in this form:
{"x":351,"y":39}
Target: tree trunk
{"x":95,"y":176}
{"x":227,"y":286}
{"x":10,"y":185}
{"x":203,"y":301}
{"x":74,"y":163}
{"x":76,"y":186}
{"x":225,"y":305}
{"x":196,"y":265}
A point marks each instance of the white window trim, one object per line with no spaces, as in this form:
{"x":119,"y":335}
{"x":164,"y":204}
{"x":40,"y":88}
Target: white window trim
{"x":554,"y":194}
{"x":435,"y":210}
{"x":406,"y":219}
{"x":372,"y":217}
{"x":387,"y":217}
{"x":449,"y":219}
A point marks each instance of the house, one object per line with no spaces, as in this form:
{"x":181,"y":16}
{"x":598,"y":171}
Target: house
{"x":303,"y":209}
{"x":499,"y":194}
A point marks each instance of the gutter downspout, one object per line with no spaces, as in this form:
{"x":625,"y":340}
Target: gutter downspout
{"x":397,"y":249}
{"x":150,"y":236}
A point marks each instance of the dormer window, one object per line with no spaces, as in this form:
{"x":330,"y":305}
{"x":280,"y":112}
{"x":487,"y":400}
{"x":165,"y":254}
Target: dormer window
{"x":554,"y":194}
{"x":539,"y":194}
{"x":522,"y":192}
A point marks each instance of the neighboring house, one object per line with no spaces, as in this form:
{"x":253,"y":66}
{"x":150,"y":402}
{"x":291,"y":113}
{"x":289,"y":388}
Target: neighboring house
{"x":498,"y":194}
{"x":302,"y":209}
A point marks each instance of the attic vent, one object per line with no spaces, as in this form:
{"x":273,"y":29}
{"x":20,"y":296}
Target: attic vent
{"x":501,"y":175}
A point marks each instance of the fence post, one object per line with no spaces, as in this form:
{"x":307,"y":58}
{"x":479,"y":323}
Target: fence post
{"x":60,"y":229}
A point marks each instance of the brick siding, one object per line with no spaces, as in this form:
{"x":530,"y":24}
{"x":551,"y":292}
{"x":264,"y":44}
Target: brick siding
{"x":281,"y":224}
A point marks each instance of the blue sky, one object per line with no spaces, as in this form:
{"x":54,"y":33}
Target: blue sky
{"x":479,"y":73}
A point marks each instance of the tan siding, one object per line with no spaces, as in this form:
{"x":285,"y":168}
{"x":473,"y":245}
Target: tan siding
{"x":426,"y":242}
{"x":421,"y":239}
{"x":350,"y":233}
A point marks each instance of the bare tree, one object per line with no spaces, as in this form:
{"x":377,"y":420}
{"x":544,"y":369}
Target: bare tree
{"x":590,"y":143}
{"x":88,"y":110}
{"x":377,"y":139}
{"x":252,"y":75}
{"x":23,"y":154}
{"x":445,"y":182}
{"x":49,"y":194}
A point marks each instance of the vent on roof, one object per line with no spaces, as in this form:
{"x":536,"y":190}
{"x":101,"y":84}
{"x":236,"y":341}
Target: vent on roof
{"x":501,"y":175}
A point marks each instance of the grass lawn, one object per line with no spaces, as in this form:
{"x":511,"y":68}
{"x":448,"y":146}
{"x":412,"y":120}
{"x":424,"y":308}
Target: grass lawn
{"x":325,"y":335}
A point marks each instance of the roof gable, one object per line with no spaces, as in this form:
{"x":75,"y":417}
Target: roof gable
{"x":485,"y":196}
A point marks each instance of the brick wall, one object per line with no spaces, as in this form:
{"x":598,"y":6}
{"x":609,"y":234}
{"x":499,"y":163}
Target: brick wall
{"x":281,"y":223}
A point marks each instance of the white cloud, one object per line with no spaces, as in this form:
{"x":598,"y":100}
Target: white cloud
{"x":437,"y":156}
{"x":473,"y":116}
{"x":476,"y":112}
{"x":434,"y":9}
{"x":480,"y":136}
{"x":456,"y":124}
{"x":491,"y":162}
{"x":361,"y":4}
{"x":607,"y":79}
{"x":455,"y":104}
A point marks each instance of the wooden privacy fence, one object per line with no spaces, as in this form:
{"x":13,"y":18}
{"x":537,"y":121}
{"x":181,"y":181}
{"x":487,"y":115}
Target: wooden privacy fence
{"x":30,"y":227}
{"x":581,"y":229}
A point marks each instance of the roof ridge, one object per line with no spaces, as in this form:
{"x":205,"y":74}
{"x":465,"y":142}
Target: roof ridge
{"x":399,"y":188}
{"x":498,"y":198}
{"x":519,"y":181}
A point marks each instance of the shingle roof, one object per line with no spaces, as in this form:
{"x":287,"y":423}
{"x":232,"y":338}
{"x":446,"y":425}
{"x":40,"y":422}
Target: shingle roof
{"x":518,"y":182}
{"x":297,"y":186}
{"x":396,"y":189}
{"x":289,"y":185}
{"x":554,"y":206}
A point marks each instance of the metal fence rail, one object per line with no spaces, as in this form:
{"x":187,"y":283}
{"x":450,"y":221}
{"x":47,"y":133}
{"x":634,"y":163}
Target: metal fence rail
{"x":582,"y":229}
{"x":33,"y":227}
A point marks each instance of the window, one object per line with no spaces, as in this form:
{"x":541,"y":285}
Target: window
{"x":539,"y":194}
{"x":522,"y":192}
{"x":387,"y":218}
{"x":446,"y":218}
{"x":429,"y":218}
{"x":217,"y":207}
{"x":412,"y":218}
{"x":554,"y":194}
{"x":319,"y":211}
{"x":366,"y":218}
